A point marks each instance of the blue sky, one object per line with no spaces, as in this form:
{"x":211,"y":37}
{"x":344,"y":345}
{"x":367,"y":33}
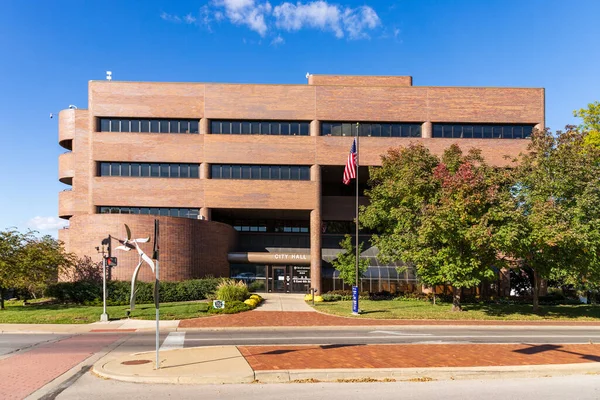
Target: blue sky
{"x":51,"y":49}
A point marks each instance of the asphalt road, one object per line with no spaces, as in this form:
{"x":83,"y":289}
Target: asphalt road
{"x":557,"y":388}
{"x":145,"y":341}
{"x":400,"y":335}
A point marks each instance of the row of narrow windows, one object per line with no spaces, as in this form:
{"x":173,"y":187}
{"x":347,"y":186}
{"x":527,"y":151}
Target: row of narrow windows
{"x":164,"y":211}
{"x":218,"y":171}
{"x":294,"y":128}
{"x":482,"y":131}
{"x":150,"y":125}
{"x":157,"y":170}
{"x":302,"y":128}
{"x":370,"y":129}
{"x":265,"y":172}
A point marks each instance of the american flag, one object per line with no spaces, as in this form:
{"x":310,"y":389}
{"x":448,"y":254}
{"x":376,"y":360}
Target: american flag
{"x":350,"y":170}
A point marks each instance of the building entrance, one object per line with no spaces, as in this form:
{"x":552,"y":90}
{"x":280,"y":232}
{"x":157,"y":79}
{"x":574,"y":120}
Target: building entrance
{"x":279,"y":280}
{"x":288,"y":278}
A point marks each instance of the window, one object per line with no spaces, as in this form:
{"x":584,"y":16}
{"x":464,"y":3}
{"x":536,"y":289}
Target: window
{"x":148,"y":125}
{"x":482,"y":131}
{"x":173,"y":212}
{"x":260,"y":127}
{"x":148,"y":169}
{"x":371,"y":129}
{"x":263,"y":172}
{"x":115,"y":169}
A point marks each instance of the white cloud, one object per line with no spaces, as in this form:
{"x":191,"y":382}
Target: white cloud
{"x":261,"y":17}
{"x":317,"y":14}
{"x":277,"y":41}
{"x":357,"y":20}
{"x":246,"y":12}
{"x":46,"y":223}
{"x":189,"y":19}
{"x":170,"y":17}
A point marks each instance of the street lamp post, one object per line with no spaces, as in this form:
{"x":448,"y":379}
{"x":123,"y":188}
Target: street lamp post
{"x":105,"y":242}
{"x":104,"y":316}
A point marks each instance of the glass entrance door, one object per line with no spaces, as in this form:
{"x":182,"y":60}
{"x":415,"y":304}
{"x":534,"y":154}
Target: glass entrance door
{"x":279,"y":282}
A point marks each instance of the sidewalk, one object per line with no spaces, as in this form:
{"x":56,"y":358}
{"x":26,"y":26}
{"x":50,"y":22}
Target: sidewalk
{"x":245,"y":364}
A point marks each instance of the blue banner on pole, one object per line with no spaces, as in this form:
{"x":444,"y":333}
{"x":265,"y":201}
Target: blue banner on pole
{"x":355,"y":299}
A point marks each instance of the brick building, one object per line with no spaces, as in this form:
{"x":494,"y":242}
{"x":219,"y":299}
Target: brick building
{"x":246,"y":179}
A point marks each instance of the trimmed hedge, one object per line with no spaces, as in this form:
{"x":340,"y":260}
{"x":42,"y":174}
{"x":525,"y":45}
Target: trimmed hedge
{"x":118,"y":292}
{"x":231,"y":307}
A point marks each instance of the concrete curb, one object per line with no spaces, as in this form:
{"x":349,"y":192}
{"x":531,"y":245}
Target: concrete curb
{"x":426,"y":374}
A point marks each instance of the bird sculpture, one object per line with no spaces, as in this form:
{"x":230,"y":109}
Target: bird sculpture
{"x":127,"y":245}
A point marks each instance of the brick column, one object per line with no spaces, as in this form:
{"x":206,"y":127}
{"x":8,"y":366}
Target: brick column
{"x":426,"y":130}
{"x":315,"y":231}
{"x":539,"y":127}
{"x":205,"y":174}
{"x":204,"y":126}
{"x":205,"y":212}
{"x":205,"y":170}
{"x":315,"y":128}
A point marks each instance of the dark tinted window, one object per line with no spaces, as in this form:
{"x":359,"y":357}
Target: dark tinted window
{"x":371,"y":129}
{"x":148,"y":125}
{"x":265,"y":172}
{"x":260,"y":127}
{"x":482,"y":131}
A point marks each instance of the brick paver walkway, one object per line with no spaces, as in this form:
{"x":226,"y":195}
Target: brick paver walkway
{"x":279,"y":318}
{"x":415,"y":355}
{"x":22,"y":374}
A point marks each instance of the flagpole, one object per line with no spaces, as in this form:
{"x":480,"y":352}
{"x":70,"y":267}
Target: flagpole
{"x":356,"y":309}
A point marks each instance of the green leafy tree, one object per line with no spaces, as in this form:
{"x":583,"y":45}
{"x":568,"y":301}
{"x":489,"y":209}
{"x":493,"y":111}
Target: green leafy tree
{"x":436,"y":214}
{"x":591,"y":123}
{"x":12,"y":243}
{"x":42,"y":260}
{"x":345,"y":262}
{"x":28,"y":262}
{"x":554,"y":216}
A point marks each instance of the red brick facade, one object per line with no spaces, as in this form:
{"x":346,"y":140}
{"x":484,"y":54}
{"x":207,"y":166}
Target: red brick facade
{"x":325,"y":98}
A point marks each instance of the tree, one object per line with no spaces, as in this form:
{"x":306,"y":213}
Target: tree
{"x":553,"y":227}
{"x":11,"y":253}
{"x":345,"y":262}
{"x":436,"y":214}
{"x":591,"y":123}
{"x":83,"y":269}
{"x":43,"y":259}
{"x":28,"y":262}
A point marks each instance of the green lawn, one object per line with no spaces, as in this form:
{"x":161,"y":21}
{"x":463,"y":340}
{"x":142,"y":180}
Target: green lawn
{"x":15,"y":312}
{"x":414,"y":309}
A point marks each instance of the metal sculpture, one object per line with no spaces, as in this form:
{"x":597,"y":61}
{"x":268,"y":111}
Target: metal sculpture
{"x":127,"y":245}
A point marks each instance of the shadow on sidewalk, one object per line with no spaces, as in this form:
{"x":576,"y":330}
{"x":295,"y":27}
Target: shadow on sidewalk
{"x":200,"y":362}
{"x":324,"y":347}
{"x":536,"y":349}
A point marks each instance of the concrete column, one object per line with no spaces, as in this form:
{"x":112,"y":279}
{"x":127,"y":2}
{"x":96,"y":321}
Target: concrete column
{"x":315,"y":128}
{"x":205,"y":170}
{"x":315,"y":231}
{"x":539,"y":127}
{"x":205,"y":213}
{"x":427,"y":130}
{"x":204,"y":126}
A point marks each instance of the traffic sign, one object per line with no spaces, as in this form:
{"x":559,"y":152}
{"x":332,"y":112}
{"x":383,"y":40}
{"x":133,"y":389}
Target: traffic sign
{"x":111,"y":261}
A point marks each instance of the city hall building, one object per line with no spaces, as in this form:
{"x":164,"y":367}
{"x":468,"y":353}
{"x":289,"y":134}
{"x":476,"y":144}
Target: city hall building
{"x":246,"y":179}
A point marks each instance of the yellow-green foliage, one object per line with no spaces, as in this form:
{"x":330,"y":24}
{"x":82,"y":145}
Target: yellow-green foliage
{"x":318,"y":299}
{"x":230,"y":290}
{"x":251,"y":302}
{"x":257,"y":298}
